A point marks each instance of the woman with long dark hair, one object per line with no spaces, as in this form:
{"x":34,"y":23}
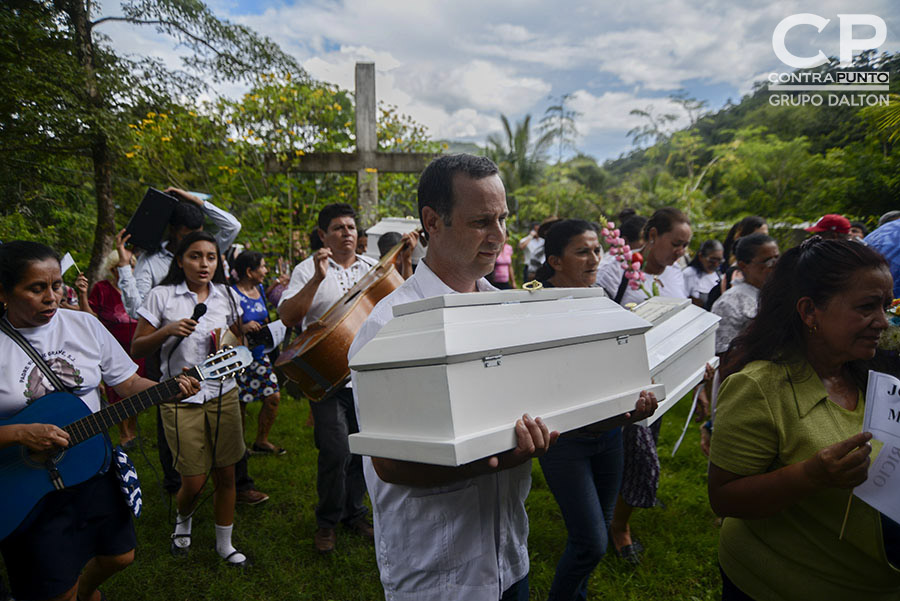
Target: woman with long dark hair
{"x":787,"y":448}
{"x":747,"y":226}
{"x":204,"y":431}
{"x":584,"y":468}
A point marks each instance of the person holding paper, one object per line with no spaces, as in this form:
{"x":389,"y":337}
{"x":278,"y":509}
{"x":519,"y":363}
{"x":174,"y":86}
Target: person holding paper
{"x":788,"y":447}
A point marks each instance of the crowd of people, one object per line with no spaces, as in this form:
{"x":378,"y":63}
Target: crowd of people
{"x":782,"y":415}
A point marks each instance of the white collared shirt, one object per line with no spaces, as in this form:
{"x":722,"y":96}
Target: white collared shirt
{"x":466,"y":540}
{"x":338,"y":280}
{"x":166,"y":304}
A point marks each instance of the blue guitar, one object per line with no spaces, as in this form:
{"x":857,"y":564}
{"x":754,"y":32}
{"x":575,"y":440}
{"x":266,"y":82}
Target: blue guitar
{"x":26,"y":476}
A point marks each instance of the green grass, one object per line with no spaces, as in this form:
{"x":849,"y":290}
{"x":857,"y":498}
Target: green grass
{"x":680,"y":539}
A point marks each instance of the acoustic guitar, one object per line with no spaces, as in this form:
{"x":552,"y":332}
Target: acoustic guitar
{"x":26,"y":476}
{"x":317,"y":359}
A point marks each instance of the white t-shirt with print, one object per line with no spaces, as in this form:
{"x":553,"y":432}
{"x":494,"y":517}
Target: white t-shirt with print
{"x":77,"y":348}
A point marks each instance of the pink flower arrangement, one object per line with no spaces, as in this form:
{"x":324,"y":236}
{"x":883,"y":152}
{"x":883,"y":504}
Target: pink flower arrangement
{"x":630,"y":260}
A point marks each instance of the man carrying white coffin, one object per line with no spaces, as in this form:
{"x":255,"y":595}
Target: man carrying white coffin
{"x":446,"y":533}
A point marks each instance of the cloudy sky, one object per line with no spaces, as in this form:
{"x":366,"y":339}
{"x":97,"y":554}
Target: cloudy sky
{"x":456,"y":66}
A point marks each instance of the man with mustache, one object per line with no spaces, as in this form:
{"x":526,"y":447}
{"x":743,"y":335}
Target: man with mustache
{"x":316,"y":284}
{"x":454,"y":532}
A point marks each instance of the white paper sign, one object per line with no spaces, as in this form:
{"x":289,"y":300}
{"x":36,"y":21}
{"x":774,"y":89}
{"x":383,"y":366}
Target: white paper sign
{"x":66,"y":263}
{"x":882,"y":488}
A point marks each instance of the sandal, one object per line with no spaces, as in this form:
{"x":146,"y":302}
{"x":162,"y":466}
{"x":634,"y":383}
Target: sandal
{"x":178,"y":550}
{"x":260,"y":450}
{"x":237,"y":564}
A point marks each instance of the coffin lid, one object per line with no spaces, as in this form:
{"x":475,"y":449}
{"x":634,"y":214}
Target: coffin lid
{"x":677,"y":333}
{"x":462,"y":327}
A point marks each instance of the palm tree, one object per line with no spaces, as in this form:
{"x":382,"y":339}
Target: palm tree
{"x":520,"y":160}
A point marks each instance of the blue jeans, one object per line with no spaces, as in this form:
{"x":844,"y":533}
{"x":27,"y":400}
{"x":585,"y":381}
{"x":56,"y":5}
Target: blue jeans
{"x":584,"y":475}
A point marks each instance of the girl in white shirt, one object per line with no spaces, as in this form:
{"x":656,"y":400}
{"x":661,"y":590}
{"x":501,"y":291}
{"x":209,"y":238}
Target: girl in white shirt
{"x":205,"y":431}
{"x":702,"y":273}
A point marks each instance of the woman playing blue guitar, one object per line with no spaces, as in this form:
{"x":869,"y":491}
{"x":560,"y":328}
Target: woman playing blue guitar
{"x":75,"y":538}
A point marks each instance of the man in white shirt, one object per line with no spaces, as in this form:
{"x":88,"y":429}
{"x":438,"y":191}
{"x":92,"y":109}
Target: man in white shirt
{"x":316,"y":284}
{"x":444,"y":532}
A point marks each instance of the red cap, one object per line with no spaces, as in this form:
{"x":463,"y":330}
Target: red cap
{"x":831,"y":223}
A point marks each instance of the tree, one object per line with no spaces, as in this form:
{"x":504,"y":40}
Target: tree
{"x":559,"y":123}
{"x":91,"y":91}
{"x":654,"y":130}
{"x":519,"y":157}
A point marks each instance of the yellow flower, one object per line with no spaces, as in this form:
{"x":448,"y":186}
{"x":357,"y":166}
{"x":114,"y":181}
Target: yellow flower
{"x":249,"y":132}
{"x":336,"y":106}
{"x":348,"y":124}
{"x":231,"y":139}
{"x":163,"y":116}
{"x":166,"y":139}
{"x":299,"y":153}
{"x":292,"y":132}
{"x":132,"y":126}
{"x":148,"y":121}
{"x":136,"y":147}
{"x":192,"y":113}
{"x":223,"y":167}
{"x":129,"y":155}
{"x":228,"y":121}
{"x":151,"y":115}
{"x":287,"y":76}
{"x":283,"y":98}
{"x":371,"y":170}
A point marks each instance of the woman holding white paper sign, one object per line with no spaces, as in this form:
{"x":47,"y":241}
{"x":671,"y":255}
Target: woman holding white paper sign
{"x":584,"y":468}
{"x":787,"y":447}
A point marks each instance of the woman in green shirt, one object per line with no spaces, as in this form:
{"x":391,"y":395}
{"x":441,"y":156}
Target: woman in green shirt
{"x":788,"y":447}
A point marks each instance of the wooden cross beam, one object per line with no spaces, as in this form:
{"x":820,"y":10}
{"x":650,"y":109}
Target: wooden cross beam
{"x":365,"y":161}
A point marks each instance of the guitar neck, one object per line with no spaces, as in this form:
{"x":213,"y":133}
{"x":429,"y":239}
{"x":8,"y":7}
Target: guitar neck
{"x":91,"y":425}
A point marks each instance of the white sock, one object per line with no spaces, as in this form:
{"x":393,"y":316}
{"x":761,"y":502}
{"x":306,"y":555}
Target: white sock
{"x":223,"y":544}
{"x":182,"y":526}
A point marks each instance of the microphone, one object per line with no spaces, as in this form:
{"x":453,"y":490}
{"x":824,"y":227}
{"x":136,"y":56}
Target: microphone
{"x":199,"y":311}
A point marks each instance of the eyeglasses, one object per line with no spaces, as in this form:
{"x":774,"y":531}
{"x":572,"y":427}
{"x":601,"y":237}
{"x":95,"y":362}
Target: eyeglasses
{"x":770,"y":262}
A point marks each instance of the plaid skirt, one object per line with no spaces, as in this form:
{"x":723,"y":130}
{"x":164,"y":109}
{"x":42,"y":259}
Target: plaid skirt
{"x":640,"y":475}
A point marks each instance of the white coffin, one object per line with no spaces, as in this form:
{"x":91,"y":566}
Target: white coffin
{"x":401,"y":225}
{"x":679,"y":345}
{"x":446,"y":379}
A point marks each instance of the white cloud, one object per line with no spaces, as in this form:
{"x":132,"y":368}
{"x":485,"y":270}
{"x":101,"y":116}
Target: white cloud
{"x":456,"y":66}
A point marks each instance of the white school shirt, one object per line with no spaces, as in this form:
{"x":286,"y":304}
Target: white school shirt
{"x":338,"y":280}
{"x":609,"y":276}
{"x":466,"y":540}
{"x":150,"y":269}
{"x":698,"y":283}
{"x":76,"y":346}
{"x":166,"y":304}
